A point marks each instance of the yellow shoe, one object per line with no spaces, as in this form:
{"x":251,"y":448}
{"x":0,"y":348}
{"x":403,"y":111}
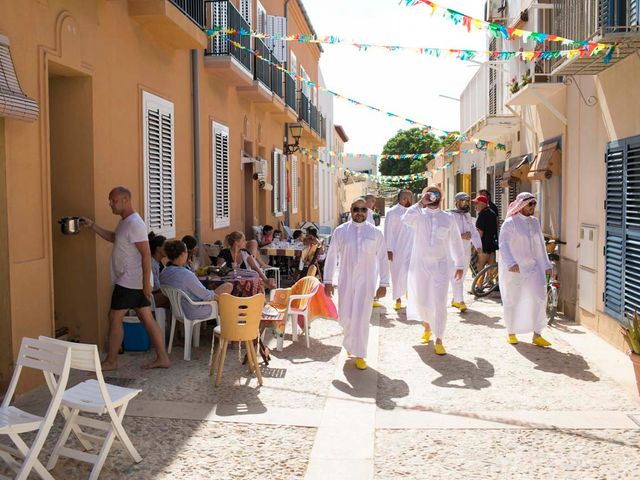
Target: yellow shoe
{"x":377,"y":304}
{"x":512,"y":339}
{"x":459,"y":305}
{"x":541,"y":342}
{"x":439,"y":349}
{"x":398,"y":305}
{"x":426,"y":336}
{"x":361,"y":364}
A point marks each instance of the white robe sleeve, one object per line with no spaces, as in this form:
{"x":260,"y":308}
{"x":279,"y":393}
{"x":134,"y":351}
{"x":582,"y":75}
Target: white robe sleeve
{"x":455,"y":245}
{"x":476,"y":241}
{"x":412,"y":215}
{"x":383,"y":262}
{"x":504,"y":244}
{"x":331,"y":262}
{"x":389,"y":226}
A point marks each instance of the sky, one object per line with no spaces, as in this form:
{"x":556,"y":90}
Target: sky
{"x":404,"y":83}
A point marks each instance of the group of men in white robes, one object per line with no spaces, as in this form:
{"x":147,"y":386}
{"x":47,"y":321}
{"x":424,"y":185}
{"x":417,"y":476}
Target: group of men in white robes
{"x":424,"y":250}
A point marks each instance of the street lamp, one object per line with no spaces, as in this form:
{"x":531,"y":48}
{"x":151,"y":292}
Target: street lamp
{"x":296,"y":133}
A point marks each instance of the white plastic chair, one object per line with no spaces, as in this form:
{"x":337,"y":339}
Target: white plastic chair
{"x":52,"y":360}
{"x":91,"y":396}
{"x":191,"y":326}
{"x":276,"y":270}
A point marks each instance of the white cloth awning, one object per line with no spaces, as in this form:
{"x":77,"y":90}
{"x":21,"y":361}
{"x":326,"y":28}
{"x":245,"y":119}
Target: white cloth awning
{"x":13,"y":102}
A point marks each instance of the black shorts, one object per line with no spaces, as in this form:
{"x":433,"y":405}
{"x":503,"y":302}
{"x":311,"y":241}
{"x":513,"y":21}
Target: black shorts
{"x":125,"y":298}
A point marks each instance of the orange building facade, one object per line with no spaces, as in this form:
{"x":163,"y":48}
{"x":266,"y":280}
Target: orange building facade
{"x":134,"y":93}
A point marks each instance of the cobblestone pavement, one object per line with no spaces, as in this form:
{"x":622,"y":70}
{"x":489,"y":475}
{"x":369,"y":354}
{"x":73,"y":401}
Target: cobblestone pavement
{"x":485,"y":410}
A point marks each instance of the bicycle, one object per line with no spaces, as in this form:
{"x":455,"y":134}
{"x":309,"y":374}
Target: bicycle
{"x":485,"y":281}
{"x":553,"y":282}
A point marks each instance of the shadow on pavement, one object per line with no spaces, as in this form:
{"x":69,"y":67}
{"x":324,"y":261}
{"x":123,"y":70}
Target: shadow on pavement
{"x":370,"y":383}
{"x":251,"y":405}
{"x":297,"y":352}
{"x":473,"y":317}
{"x":552,"y":361}
{"x":452,"y":369}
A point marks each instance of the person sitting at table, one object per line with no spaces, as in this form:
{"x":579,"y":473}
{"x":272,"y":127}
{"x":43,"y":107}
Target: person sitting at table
{"x":156,"y":243}
{"x":176,"y":275}
{"x":267,"y":235}
{"x":197,"y":256}
{"x":237,"y":256}
{"x":298,"y":238}
{"x":252,"y":247}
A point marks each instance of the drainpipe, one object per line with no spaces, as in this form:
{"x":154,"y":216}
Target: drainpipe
{"x":195,"y":87}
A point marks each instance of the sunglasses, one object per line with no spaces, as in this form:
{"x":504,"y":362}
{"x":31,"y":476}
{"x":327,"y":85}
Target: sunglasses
{"x":532,"y":204}
{"x":359,"y":209}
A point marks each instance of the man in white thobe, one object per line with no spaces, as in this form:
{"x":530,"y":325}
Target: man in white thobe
{"x":470,"y":238}
{"x":437,"y":253}
{"x":399,"y":238}
{"x":370,"y":201}
{"x":360,"y":249}
{"x":523,"y":264}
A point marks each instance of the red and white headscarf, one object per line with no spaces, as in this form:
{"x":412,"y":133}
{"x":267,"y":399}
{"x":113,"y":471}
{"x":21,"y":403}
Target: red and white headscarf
{"x":519,"y":203}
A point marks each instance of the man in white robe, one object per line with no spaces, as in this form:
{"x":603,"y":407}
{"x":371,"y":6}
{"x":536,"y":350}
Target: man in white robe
{"x":360,"y":249}
{"x":523,"y":264}
{"x":399,"y":238}
{"x":437,"y":253}
{"x":370,"y":201}
{"x":470,"y":239}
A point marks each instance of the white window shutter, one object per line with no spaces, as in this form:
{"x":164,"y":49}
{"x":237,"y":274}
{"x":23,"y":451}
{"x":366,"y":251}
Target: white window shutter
{"x":283,"y":183}
{"x":270,"y":31}
{"x":276,"y":182}
{"x":280,"y":46}
{"x":294,"y":184}
{"x":246,"y":11}
{"x":315,"y":186}
{"x":219,"y":19}
{"x":220,"y":176}
{"x":159,"y":167}
{"x":261,"y":21}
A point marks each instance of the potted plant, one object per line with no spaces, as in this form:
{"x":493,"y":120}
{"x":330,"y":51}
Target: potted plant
{"x":513,"y":85}
{"x":525,"y":79}
{"x":631,"y":334}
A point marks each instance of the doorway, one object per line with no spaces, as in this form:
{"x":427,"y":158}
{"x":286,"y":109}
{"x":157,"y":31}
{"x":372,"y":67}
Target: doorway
{"x":70,"y":109}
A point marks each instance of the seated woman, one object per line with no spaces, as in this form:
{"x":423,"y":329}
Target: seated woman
{"x":156,"y":243}
{"x":196,"y":256}
{"x":267,"y":235}
{"x":237,"y":256}
{"x":176,"y":275}
{"x":252,"y":247}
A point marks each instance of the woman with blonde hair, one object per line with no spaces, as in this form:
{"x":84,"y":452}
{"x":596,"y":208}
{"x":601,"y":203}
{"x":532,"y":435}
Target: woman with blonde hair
{"x":237,"y":256}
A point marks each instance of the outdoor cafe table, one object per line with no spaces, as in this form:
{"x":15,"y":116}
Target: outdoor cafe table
{"x":282,"y":250}
{"x":243,"y":285}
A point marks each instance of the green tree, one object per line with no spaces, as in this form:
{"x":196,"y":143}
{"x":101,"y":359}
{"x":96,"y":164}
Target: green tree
{"x":411,"y":141}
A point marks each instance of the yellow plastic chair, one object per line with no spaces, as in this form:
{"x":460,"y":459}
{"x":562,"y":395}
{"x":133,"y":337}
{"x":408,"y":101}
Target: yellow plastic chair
{"x":311,"y":272}
{"x":239,"y":322}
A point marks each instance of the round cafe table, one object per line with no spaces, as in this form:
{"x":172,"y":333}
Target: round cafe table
{"x":243,"y":285}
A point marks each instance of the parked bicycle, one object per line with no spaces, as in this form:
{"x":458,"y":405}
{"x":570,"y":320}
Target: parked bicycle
{"x":485,"y":281}
{"x":553,"y":282}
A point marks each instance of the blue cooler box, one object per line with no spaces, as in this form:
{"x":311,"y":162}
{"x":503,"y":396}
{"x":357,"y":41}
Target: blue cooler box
{"x":136,"y":338}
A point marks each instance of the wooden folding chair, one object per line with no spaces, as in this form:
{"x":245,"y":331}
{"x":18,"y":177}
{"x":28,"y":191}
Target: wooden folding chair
{"x":91,"y":396}
{"x":51,"y":360}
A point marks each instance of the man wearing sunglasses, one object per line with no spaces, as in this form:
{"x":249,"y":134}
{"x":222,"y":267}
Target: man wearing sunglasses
{"x":399,"y":238}
{"x":523,"y":264}
{"x":438,"y":254}
{"x":470,"y":239}
{"x":360,"y":249}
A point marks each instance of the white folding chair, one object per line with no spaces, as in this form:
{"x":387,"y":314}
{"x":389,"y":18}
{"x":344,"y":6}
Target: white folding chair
{"x":191,"y":326}
{"x":91,"y":396}
{"x":52,"y":360}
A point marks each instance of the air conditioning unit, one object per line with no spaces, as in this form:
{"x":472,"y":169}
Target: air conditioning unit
{"x":245,"y":158}
{"x":260,"y":167}
{"x":497,"y":10}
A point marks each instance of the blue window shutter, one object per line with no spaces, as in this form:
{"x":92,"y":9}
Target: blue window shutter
{"x":614,"y":240}
{"x":632,"y":226}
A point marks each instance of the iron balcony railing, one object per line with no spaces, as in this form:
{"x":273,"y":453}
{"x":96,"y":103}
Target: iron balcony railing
{"x":277,"y":81}
{"x":194,"y":9}
{"x":262,"y":69}
{"x":222,"y":14}
{"x":290,"y":91}
{"x":314,"y":120}
{"x":303,"y":108}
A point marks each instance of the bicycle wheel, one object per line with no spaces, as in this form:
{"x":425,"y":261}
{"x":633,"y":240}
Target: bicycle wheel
{"x":486,"y":281}
{"x":552,"y":305}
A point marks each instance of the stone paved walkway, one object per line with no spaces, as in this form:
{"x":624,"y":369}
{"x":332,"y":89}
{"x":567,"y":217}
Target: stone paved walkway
{"x":486,"y":410}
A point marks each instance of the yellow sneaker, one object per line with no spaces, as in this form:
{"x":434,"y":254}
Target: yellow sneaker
{"x":377,"y":304}
{"x":541,"y":342}
{"x":398,"y":305}
{"x":512,"y":339}
{"x":439,"y":349}
{"x":426,"y":336}
{"x":361,"y":364}
{"x":459,"y":305}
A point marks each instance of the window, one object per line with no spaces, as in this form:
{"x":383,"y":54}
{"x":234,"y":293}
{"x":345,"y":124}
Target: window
{"x":293,"y":66}
{"x":315,"y":186}
{"x":294,"y":184}
{"x":279,"y":162}
{"x":283,"y":182}
{"x":261,"y":26}
{"x":277,"y":26}
{"x":220,"y":176}
{"x":622,"y":233}
{"x":245,"y":11}
{"x":159,"y":186}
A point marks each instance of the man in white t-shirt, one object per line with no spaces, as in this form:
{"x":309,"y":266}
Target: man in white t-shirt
{"x":131,"y":276}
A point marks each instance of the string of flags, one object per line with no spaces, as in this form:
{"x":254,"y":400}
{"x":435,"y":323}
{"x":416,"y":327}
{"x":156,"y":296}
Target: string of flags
{"x":587,"y":50}
{"x":500,"y":31}
{"x":442,"y":133}
{"x":374,"y":156}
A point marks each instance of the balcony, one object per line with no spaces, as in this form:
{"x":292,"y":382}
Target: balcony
{"x":314,"y":120}
{"x":223,"y":59}
{"x":260,"y":90}
{"x":287,"y":111}
{"x":604,"y":21}
{"x":178,"y":23}
{"x":482,"y":110}
{"x":290,"y":92}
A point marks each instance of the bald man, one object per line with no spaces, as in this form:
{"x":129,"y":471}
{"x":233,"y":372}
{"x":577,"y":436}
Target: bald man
{"x":131,"y":277}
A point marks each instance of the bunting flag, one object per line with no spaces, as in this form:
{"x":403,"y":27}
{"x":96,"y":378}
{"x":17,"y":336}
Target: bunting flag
{"x":429,"y":128}
{"x":375,"y":156}
{"x":586,"y":50}
{"x":500,"y":31}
